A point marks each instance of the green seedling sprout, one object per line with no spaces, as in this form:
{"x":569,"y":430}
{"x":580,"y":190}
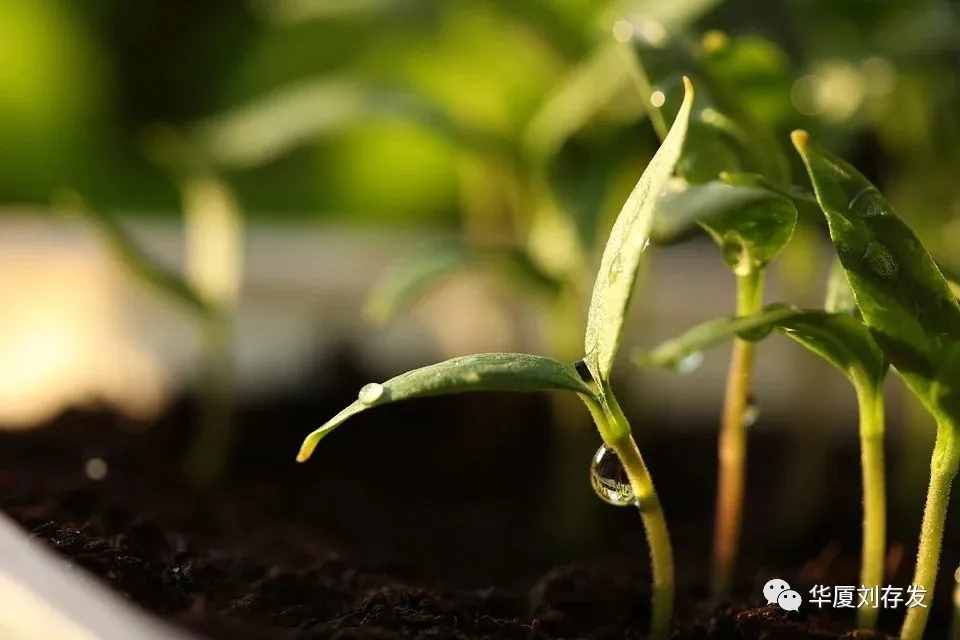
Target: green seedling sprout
{"x":749,"y":216}
{"x":844,"y":341}
{"x":591,"y":381}
{"x":751,"y":224}
{"x":209,"y":291}
{"x":915,"y":319}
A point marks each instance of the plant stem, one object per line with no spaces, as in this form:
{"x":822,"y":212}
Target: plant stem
{"x":732,"y":445}
{"x":210,"y":450}
{"x":943,"y":468}
{"x":870,"y":401}
{"x":616,"y":433}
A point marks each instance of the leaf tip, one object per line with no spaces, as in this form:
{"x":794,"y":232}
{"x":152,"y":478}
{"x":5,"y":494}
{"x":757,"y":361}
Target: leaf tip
{"x":687,"y":87}
{"x":306,"y":449}
{"x":800,"y":139}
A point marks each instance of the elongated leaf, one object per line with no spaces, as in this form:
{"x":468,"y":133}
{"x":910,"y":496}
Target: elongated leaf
{"x":587,"y":89}
{"x":839,"y":338}
{"x":272,"y":126}
{"x":621,"y":256}
{"x":403,"y":285}
{"x":480,"y":372}
{"x":713,"y":332}
{"x":142,"y":266}
{"x":750,"y":224}
{"x":900,"y":292}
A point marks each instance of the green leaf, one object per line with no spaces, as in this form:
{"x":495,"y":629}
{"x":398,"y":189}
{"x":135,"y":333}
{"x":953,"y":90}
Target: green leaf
{"x":713,"y":332}
{"x":621,"y":256}
{"x":271,"y":126}
{"x":750,"y":224}
{"x":899,"y":289}
{"x":585,"y":91}
{"x":404,"y":284}
{"x":142,"y":266}
{"x":480,"y":372}
{"x":839,"y":338}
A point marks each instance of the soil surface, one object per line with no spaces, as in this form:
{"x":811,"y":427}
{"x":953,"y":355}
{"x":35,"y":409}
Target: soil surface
{"x":452,"y":518}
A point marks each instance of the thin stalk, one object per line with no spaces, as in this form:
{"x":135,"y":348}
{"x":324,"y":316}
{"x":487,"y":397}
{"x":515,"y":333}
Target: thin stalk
{"x":943,"y":468}
{"x":616,"y":433}
{"x":209,"y":452}
{"x":870,"y":401}
{"x":732,"y":444}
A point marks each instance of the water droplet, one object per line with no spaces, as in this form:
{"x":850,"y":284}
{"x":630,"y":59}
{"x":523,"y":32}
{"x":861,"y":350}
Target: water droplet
{"x":96,"y":468}
{"x":880,"y":260}
{"x":689,"y":363}
{"x":868,"y":203}
{"x":609,"y":479}
{"x":370,"y":393}
{"x":658,"y":98}
{"x":751,"y":412}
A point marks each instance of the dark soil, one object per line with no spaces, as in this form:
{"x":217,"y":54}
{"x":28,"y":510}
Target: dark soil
{"x":435,"y":519}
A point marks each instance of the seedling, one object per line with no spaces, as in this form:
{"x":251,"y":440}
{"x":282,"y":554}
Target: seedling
{"x":915,"y":319}
{"x":844,"y":341}
{"x":214,"y":231}
{"x":750,"y":220}
{"x":590,"y":379}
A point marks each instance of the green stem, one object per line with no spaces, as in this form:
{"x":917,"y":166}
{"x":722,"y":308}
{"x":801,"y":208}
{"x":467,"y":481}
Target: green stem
{"x":615,"y":431}
{"x":870,"y":401}
{"x":210,"y":450}
{"x":943,"y":468}
{"x":732,"y":444}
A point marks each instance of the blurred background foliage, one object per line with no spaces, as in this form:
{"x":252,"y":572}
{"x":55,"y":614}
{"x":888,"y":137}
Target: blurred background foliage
{"x":82,"y":85}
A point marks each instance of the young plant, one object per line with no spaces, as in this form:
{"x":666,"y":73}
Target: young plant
{"x":214,"y":232}
{"x":522,"y":372}
{"x":842,"y":340}
{"x":914,"y":318}
{"x":751,"y":224}
{"x":749,"y":218}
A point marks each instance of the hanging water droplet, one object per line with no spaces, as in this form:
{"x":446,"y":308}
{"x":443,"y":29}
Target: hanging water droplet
{"x":880,"y":260}
{"x":609,"y":479}
{"x":658,"y":98}
{"x":370,"y":393}
{"x":751,"y":412}
{"x":690,"y":363}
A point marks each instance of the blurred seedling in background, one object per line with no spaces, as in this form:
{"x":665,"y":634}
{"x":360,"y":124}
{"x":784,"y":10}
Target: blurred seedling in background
{"x":589,"y":378}
{"x":208,"y":289}
{"x":912,"y":314}
{"x":838,"y":336}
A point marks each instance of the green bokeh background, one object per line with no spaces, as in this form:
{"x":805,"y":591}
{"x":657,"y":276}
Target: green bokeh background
{"x":81,"y":83}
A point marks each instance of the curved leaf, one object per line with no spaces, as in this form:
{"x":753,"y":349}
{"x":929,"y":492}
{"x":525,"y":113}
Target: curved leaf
{"x":271,"y":126}
{"x":479,"y":372}
{"x":750,"y":224}
{"x":142,"y":266}
{"x":838,"y":338}
{"x":713,"y":332}
{"x":403,"y":285}
{"x":621,"y":256}
{"x":899,"y":289}
{"x":587,"y":89}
